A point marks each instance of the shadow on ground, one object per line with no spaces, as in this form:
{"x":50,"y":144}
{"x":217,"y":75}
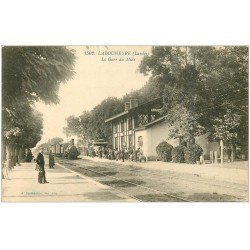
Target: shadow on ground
{"x":102,"y":196}
{"x":123,"y":183}
{"x":214,"y":197}
{"x":156,"y":198}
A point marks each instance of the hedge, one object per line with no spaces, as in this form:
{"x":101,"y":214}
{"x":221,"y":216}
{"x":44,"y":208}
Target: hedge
{"x":178,"y":154}
{"x":164,"y":151}
{"x":192,"y":153}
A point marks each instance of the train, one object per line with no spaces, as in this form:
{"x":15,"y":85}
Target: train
{"x":64,"y":150}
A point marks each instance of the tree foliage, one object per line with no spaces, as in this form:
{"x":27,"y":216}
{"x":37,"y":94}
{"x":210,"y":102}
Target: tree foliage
{"x":202,"y":88}
{"x":178,"y":154}
{"x":199,"y":84}
{"x":30,"y":74}
{"x":192,"y":153}
{"x":55,"y":141}
{"x":225,"y":127}
{"x":164,"y":151}
{"x":25,"y":129}
{"x":35,"y":73}
{"x":91,"y":125}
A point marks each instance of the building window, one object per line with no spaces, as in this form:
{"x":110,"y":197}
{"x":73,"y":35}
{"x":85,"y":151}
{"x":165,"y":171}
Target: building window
{"x":122,"y":126}
{"x":130,"y":123}
{"x":142,"y":120}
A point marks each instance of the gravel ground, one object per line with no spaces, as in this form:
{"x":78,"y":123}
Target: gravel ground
{"x":191,"y":182}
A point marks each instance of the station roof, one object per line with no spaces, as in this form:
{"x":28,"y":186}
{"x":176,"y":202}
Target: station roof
{"x":117,"y":116}
{"x":131,"y":110}
{"x":161,"y":119}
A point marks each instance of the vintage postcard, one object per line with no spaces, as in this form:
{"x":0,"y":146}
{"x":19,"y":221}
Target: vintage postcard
{"x":125,"y":123}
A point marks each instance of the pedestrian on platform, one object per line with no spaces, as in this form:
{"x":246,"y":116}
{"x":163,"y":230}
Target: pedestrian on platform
{"x":135,"y":154}
{"x":51,"y":160}
{"x":116,"y":154}
{"x":112,"y":154}
{"x":40,"y":162}
{"x":123,"y":154}
{"x":109,"y":153}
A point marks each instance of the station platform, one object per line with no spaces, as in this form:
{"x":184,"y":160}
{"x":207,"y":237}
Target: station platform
{"x":64,"y":186}
{"x":233,"y":172}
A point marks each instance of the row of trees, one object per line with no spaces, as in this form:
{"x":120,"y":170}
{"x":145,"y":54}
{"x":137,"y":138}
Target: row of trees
{"x":205,"y":89}
{"x":29,"y":74}
{"x":90,"y":125}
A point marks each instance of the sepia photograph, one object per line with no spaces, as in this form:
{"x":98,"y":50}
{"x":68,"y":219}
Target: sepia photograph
{"x":125,"y":123}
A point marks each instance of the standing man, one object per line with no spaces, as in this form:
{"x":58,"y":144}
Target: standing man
{"x":51,"y":160}
{"x":40,"y":162}
{"x":116,"y":154}
{"x":123,"y":153}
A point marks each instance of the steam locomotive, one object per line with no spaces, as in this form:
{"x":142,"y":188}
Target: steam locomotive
{"x":64,"y":150}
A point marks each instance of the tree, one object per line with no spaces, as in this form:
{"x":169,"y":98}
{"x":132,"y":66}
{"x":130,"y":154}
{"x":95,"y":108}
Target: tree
{"x":198,"y":85}
{"x":55,"y":141}
{"x":32,"y":130}
{"x":30,"y":74}
{"x":229,"y":112}
{"x":225,"y":128}
{"x":107,"y":108}
{"x":91,"y":125}
{"x":78,"y":126}
{"x":35,"y":73}
{"x":22,"y":132}
{"x":174,"y":70}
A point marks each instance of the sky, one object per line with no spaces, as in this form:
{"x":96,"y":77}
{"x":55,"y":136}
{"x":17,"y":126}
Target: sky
{"x":100,"y":72}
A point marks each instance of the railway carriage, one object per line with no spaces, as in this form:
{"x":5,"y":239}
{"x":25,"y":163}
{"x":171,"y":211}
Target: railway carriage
{"x":53,"y":149}
{"x":65,"y":150}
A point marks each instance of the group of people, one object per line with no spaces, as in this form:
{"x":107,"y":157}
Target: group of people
{"x":107,"y":153}
{"x":115,"y":154}
{"x":40,"y":166}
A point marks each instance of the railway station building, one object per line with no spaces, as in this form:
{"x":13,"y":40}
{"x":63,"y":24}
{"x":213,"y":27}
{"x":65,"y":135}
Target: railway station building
{"x":142,"y":126}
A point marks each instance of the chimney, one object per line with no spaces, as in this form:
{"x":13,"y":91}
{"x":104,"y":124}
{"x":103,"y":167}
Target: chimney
{"x":127,"y":106}
{"x":133,"y":103}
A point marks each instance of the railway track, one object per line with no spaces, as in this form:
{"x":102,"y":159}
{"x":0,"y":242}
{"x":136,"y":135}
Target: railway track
{"x":173,"y":198}
{"x":198,"y":181}
{"x":152,"y":185}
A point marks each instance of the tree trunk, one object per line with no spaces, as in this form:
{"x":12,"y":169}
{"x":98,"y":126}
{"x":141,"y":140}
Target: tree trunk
{"x":4,"y":169}
{"x":7,"y":166}
{"x":233,"y":153}
{"x":221,"y":151}
{"x":10,"y":156}
{"x":17,"y":150}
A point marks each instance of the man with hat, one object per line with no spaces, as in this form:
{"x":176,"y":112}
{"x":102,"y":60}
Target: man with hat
{"x":40,"y":162}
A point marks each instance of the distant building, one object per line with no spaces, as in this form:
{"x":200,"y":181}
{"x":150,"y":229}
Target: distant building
{"x":143,"y":126}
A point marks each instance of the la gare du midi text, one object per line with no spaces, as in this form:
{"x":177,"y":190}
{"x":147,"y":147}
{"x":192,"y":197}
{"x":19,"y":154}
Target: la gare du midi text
{"x":112,"y":53}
